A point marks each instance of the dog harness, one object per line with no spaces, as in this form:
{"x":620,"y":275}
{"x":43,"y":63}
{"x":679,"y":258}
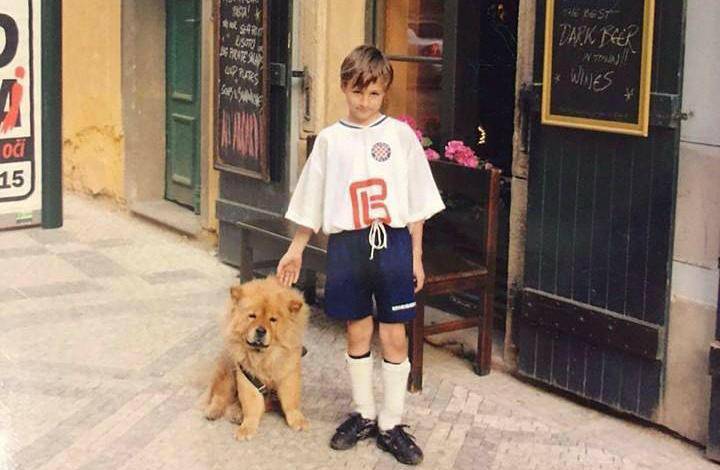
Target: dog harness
{"x":261,"y":387}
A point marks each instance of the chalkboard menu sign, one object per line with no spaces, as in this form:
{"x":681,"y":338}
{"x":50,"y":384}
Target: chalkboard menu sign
{"x":597,"y":64}
{"x":241,"y":88}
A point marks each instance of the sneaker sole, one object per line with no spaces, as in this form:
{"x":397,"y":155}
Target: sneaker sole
{"x":389,"y":451}
{"x":372,"y":433}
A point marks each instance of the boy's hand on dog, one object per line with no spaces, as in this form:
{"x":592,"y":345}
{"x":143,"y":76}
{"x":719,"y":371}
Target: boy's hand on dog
{"x":288,"y":269}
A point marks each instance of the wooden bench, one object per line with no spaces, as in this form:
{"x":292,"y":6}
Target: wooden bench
{"x":457,"y":255}
{"x":273,"y":235}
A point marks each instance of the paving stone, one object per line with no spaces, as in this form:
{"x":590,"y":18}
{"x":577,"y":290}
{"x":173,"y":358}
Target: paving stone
{"x":10,"y":295}
{"x":30,"y":271}
{"x":69,"y":247}
{"x":22,"y":251}
{"x":93,"y":264}
{"x":48,"y":237}
{"x":173,"y":276}
{"x":110,"y":335}
{"x":110,"y":242}
{"x":59,"y":288}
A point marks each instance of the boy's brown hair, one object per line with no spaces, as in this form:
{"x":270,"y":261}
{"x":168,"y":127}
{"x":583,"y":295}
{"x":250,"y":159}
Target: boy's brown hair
{"x":365,"y":65}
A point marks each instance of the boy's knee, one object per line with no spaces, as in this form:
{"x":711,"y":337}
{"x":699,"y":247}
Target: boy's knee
{"x":392,"y":334}
{"x":359,"y":337}
{"x":360,"y":331}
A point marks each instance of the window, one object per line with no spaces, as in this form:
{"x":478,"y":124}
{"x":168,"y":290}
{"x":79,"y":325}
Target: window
{"x":410,"y":32}
{"x":454,"y":64}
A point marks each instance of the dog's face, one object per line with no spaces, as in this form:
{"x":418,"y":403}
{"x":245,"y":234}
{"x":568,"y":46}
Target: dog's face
{"x":265,"y":314}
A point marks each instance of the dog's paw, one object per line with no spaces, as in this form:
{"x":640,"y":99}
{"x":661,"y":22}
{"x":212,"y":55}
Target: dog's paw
{"x":234,"y":414}
{"x":297,"y":421}
{"x":213,"y":412}
{"x":245,"y":433}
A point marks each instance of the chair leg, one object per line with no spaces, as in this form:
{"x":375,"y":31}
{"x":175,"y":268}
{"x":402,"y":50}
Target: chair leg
{"x":483,"y":358}
{"x":416,"y":335}
{"x":309,"y":287}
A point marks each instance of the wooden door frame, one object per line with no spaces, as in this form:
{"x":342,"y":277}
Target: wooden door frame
{"x":196,"y":106}
{"x":143,"y":105}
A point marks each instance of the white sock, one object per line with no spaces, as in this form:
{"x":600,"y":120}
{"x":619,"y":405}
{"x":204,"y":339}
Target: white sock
{"x":395,"y":378}
{"x":361,"y":374}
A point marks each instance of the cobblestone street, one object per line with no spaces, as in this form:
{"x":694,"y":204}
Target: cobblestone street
{"x":108,"y":332}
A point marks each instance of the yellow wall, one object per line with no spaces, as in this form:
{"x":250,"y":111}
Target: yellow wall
{"x":329,"y":30}
{"x":93,"y":141}
{"x":92,"y":118}
{"x":345,"y":31}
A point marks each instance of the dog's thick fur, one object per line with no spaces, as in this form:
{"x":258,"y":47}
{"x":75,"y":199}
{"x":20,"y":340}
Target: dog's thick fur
{"x":273,"y":357}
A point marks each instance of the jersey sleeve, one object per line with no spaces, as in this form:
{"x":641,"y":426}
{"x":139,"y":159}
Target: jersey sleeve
{"x":424,"y":198}
{"x":306,"y":203}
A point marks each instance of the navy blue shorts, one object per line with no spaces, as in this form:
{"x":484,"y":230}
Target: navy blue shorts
{"x":353,"y":279}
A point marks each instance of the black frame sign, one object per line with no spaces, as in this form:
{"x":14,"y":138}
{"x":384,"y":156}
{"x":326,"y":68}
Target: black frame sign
{"x":598,"y":62}
{"x":241,"y":88}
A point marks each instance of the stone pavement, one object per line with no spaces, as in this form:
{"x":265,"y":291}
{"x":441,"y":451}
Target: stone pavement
{"x":108,"y":329}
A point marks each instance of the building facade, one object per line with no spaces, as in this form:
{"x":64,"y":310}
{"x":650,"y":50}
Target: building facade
{"x":140,"y":87}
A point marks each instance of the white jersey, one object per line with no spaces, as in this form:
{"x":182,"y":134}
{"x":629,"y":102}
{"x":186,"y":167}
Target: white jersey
{"x":356,"y":175}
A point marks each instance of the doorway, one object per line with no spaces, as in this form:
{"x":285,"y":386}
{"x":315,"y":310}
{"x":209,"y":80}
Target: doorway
{"x":155,"y":101}
{"x":182,"y":149}
{"x":455,"y":65}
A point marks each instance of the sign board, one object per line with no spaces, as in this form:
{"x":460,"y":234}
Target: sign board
{"x":20,"y":113}
{"x":598,"y":59}
{"x":241,"y":88}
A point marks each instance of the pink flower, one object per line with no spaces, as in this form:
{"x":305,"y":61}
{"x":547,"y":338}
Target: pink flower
{"x":408,"y":120}
{"x":431,"y":154}
{"x":453,"y":147}
{"x":458,"y":152}
{"x":413,"y":125}
{"x":469,"y":161}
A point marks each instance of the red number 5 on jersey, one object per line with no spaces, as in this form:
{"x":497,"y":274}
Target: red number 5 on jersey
{"x":367,"y":202}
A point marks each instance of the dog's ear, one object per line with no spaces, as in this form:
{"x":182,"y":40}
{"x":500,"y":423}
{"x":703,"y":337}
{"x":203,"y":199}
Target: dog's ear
{"x":295,"y":306}
{"x":236,"y":292}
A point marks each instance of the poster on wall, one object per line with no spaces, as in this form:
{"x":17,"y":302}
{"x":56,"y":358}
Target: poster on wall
{"x":20,"y":113}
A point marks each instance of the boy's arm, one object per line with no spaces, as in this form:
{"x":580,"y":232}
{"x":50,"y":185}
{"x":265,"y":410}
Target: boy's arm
{"x":416,"y":234}
{"x":288,"y":269}
{"x":300,"y":240}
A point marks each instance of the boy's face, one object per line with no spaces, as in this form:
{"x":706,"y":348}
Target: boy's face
{"x":364,"y":104}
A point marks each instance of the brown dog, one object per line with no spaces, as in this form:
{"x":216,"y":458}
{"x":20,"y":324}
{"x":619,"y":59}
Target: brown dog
{"x":263,"y":334}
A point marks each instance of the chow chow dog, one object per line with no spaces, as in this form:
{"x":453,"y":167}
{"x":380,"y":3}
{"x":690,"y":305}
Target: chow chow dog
{"x":263,"y":341}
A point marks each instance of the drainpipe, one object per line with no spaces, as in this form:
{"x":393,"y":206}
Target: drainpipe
{"x":51,"y":53}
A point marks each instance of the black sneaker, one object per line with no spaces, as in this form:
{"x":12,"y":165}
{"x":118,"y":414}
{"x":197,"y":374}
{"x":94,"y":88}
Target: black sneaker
{"x":353,"y":429}
{"x":400,"y":444}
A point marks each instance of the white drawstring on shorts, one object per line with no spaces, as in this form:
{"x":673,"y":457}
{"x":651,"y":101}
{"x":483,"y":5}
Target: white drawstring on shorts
{"x":377,"y":237}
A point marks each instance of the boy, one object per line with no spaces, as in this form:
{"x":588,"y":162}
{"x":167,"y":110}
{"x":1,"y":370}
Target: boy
{"x":368,"y":184}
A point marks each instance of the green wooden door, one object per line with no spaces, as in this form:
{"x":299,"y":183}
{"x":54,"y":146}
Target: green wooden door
{"x":599,"y":242}
{"x":182,"y":174}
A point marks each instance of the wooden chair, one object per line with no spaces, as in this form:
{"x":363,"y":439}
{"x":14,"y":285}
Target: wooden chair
{"x":459,"y":254}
